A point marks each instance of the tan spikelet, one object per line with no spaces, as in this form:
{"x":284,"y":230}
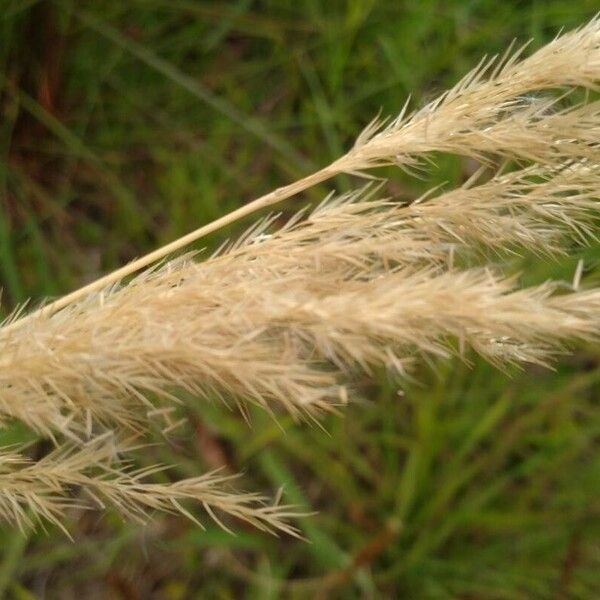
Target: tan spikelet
{"x":90,"y":477}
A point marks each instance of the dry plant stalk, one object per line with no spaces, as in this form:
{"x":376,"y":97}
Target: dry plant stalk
{"x":284,"y":316}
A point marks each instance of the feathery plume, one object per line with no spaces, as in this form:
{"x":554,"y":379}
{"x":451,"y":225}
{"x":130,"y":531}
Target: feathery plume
{"x":479,"y":116}
{"x":500,"y":114}
{"x":91,"y":477}
{"x":287,"y":314}
{"x":282,"y":318}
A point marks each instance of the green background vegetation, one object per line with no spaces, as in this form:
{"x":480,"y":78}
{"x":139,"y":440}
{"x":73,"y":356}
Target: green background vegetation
{"x":126,"y":124}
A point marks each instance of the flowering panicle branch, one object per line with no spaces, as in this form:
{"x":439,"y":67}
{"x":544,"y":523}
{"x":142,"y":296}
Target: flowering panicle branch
{"x":284,"y":316}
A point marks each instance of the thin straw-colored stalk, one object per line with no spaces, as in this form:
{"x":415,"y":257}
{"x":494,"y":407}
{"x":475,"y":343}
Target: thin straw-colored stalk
{"x":478,"y":116}
{"x":283,"y":318}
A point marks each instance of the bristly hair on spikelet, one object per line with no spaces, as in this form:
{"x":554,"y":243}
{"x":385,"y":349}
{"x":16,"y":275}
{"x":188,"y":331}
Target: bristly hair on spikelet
{"x":284,"y":316}
{"x":32,"y":492}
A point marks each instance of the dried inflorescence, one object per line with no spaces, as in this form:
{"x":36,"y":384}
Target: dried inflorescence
{"x":497,"y":109}
{"x":286,"y":315}
{"x":31,"y":491}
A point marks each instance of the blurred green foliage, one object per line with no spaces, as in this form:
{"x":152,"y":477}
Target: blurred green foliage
{"x":126,"y":124}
